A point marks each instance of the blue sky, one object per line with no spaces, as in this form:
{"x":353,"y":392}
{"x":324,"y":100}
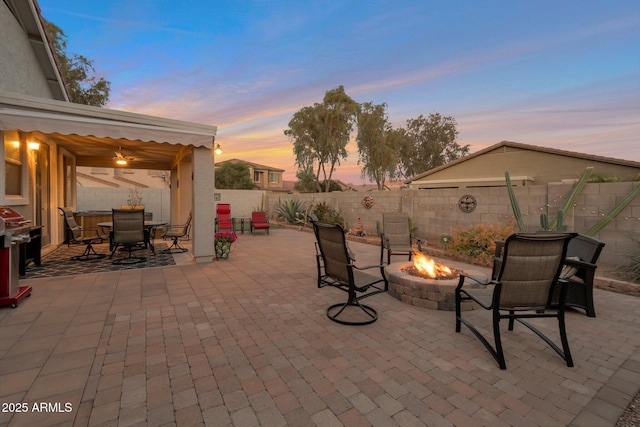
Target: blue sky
{"x":562,"y":74}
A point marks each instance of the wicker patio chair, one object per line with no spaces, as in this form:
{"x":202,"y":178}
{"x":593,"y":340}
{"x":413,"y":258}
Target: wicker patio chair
{"x":579,"y":271}
{"x":128,"y":232}
{"x":82,"y":235}
{"x":396,"y":237}
{"x":523,"y":289}
{"x":336,"y":269}
{"x":175,"y":233}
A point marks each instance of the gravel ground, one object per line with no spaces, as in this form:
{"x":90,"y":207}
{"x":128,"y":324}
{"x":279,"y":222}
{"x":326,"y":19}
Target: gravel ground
{"x":631,"y":417}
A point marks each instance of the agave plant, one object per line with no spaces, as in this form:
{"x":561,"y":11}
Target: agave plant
{"x":290,"y":210}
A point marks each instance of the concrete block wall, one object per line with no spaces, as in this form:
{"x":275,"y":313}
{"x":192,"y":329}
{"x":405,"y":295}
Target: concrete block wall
{"x":242,"y":202}
{"x":436,"y":213}
{"x":155,"y":200}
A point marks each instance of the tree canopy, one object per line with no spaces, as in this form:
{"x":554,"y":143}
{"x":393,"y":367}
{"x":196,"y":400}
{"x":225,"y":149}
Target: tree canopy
{"x":428,"y":142}
{"x":320,"y":135}
{"x":321,"y":132}
{"x":378,"y":144}
{"x":234,"y":176}
{"x":77,"y":70}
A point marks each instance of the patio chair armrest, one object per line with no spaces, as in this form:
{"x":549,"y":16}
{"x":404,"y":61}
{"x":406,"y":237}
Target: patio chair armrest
{"x":478,"y":280}
{"x":366,"y":267}
{"x":580,"y":264}
{"x":97,"y":230}
{"x":418,"y":241}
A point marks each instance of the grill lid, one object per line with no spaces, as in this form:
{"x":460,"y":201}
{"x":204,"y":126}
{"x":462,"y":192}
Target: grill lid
{"x":12,"y":218}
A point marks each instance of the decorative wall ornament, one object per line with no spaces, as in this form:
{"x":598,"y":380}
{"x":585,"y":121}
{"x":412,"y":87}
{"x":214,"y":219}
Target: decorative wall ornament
{"x":467,"y":203}
{"x":367,"y":202}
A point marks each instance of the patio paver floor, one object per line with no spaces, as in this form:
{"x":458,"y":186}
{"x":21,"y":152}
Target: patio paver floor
{"x":246,"y":341}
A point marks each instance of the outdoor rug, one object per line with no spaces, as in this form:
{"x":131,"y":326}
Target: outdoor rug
{"x":59,"y":262}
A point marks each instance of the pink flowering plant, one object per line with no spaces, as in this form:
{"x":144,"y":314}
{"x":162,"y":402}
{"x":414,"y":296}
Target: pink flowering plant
{"x":226,"y":236}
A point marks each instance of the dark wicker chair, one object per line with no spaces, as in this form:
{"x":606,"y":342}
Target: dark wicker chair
{"x":396,"y":237}
{"x":175,"y":233}
{"x":128,"y":232}
{"x":336,"y":269}
{"x":82,"y":235}
{"x":523,"y":289}
{"x":579,"y":271}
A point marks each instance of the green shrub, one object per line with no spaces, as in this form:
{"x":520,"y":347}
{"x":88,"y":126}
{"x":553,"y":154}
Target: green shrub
{"x":291,"y":211}
{"x":326,"y":213}
{"x":477,"y":243}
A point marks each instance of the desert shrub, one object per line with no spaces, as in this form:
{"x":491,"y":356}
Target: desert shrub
{"x":326,"y":213}
{"x":291,"y":211}
{"x":477,"y":243}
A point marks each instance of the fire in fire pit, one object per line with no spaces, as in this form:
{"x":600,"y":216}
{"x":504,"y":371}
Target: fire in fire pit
{"x":424,"y":266}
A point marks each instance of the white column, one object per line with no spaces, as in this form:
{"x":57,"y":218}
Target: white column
{"x":203,"y":185}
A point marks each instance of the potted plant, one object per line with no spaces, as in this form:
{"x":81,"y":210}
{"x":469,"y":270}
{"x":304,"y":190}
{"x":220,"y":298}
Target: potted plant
{"x":135,"y":199}
{"x":222,"y":243}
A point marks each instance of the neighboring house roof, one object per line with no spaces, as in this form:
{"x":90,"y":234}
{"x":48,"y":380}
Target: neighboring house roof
{"x":517,"y":145}
{"x":255,"y":166}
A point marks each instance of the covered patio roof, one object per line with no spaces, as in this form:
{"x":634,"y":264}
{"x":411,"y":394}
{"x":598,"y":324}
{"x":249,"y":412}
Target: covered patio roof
{"x":94,"y":134}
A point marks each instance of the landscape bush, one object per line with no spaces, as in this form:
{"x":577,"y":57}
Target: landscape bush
{"x":477,"y":243}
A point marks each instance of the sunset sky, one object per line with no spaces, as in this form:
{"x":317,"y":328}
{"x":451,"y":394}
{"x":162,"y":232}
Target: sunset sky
{"x":557,"y":73}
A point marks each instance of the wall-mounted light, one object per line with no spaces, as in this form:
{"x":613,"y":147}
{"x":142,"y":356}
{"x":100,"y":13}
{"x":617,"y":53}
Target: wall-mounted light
{"x":218,"y":149}
{"x":33,"y":145}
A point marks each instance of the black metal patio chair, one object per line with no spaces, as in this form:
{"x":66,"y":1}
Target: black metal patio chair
{"x":82,"y":235}
{"x":523,"y":289}
{"x":396,"y":237}
{"x":336,"y":269}
{"x":129,"y":233}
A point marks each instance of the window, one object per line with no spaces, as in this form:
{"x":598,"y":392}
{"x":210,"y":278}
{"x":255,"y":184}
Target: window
{"x":257,"y":176}
{"x":13,"y":163}
{"x":274,"y":177}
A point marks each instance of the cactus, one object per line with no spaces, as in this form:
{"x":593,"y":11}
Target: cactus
{"x":614,"y":213}
{"x":544,"y":221}
{"x":571,"y":199}
{"x":558,"y":223}
{"x":514,"y":203}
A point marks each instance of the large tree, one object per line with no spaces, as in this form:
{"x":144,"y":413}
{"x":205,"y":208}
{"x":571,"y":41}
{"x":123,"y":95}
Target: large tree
{"x":320,"y":135}
{"x":429,"y":142}
{"x":77,"y":70}
{"x":378,"y":144}
{"x":234,"y":176}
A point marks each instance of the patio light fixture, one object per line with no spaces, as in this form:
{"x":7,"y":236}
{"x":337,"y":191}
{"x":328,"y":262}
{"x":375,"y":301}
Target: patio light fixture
{"x":218,"y":149}
{"x":121,"y":159}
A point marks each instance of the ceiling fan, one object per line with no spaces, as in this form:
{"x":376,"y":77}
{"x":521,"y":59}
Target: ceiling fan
{"x":121,"y":158}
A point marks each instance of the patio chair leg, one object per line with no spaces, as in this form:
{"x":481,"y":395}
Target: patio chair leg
{"x":89,"y":254}
{"x":563,"y":337}
{"x":499,"y":354}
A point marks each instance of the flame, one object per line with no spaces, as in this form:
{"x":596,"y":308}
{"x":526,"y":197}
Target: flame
{"x":429,"y":267}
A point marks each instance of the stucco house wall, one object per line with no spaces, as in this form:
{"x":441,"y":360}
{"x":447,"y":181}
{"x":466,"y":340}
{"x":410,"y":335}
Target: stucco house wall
{"x":20,"y":70}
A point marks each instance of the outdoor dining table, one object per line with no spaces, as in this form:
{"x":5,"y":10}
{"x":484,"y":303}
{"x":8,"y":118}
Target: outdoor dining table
{"x":150,"y":230}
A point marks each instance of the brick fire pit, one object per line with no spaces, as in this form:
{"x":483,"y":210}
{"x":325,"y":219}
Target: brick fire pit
{"x":424,"y":292}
